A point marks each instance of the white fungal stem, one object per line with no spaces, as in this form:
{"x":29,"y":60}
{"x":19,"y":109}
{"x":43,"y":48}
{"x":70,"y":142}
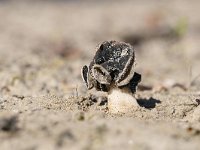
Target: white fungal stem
{"x":121,"y":100}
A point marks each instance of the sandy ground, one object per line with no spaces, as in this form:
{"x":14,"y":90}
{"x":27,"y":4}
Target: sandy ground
{"x":43,"y":101}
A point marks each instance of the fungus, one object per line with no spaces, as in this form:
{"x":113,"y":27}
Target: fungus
{"x":112,"y":71}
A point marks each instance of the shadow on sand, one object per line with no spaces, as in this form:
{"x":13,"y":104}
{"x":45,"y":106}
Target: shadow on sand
{"x":148,"y":103}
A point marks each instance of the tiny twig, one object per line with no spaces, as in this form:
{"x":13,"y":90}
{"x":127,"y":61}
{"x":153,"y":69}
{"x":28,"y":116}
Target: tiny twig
{"x":76,"y":89}
{"x":195,"y":78}
{"x":190,"y":77}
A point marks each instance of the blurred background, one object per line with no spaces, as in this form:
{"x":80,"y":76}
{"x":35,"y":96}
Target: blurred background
{"x":43,"y":101}
{"x":44,"y":43}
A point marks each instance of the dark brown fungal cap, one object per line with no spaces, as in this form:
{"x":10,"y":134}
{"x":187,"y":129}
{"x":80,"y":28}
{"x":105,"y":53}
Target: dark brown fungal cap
{"x":113,"y":63}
